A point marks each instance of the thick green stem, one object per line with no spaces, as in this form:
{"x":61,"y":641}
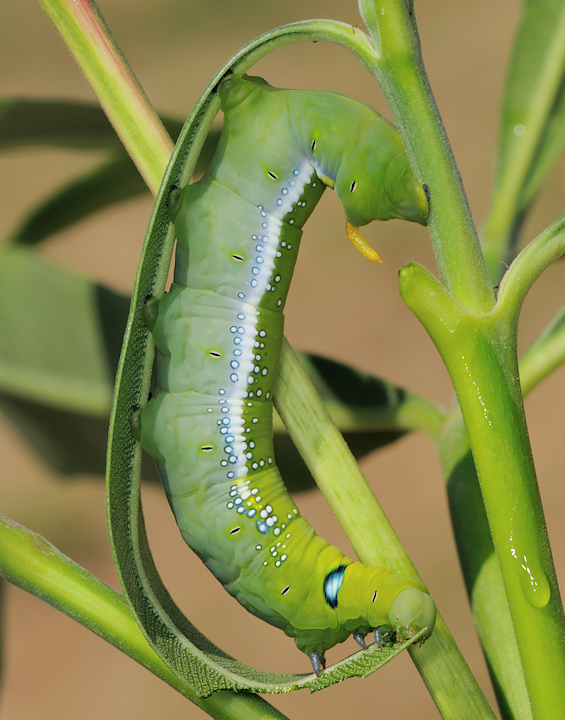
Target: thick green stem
{"x":480,"y":354}
{"x":403,"y":79}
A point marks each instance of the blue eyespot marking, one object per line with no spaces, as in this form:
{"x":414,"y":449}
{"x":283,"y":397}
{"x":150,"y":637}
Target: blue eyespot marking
{"x":332,"y":585}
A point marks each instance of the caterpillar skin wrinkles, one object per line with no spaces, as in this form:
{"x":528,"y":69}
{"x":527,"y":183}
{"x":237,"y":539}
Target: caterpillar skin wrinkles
{"x":218,"y":334}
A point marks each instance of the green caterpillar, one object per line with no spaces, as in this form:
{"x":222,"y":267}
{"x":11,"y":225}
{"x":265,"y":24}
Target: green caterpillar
{"x":218,"y":334}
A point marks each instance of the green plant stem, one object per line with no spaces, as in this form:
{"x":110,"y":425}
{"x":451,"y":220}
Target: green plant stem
{"x":480,"y":354}
{"x":402,"y":77}
{"x":443,"y":669}
{"x":475,"y":548}
{"x":89,"y":40}
{"x":31,"y":563}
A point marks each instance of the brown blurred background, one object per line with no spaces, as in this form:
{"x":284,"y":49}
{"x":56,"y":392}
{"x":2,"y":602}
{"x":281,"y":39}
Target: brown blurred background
{"x":54,"y":668}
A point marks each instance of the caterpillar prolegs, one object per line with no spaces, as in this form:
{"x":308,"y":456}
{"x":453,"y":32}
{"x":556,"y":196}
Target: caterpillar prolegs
{"x":218,"y":334}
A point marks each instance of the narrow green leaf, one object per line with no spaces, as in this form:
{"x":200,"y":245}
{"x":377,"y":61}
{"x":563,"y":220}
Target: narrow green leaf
{"x":26,"y":122}
{"x":76,"y":126}
{"x":69,"y":442}
{"x":534,"y":98}
{"x":358,"y":401}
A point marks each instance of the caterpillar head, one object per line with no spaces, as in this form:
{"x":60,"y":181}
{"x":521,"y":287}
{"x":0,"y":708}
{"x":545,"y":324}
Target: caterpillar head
{"x":375,"y":182}
{"x":235,"y":89}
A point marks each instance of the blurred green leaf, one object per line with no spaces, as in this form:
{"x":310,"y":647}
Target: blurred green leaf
{"x":59,"y":347}
{"x":78,"y":126}
{"x":536,"y":73}
{"x":60,"y":339}
{"x":60,"y":335}
{"x":532,"y":131}
{"x":107,"y":185}
{"x":370,"y":413}
{"x":361,"y":402}
{"x":70,"y":443}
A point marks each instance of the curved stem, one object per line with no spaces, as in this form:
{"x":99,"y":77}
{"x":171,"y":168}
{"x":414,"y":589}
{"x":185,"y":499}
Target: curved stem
{"x":527,"y":267}
{"x":31,"y":563}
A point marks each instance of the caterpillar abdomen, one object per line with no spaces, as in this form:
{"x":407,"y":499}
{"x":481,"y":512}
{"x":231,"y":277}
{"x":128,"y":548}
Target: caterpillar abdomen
{"x":218,"y":334}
